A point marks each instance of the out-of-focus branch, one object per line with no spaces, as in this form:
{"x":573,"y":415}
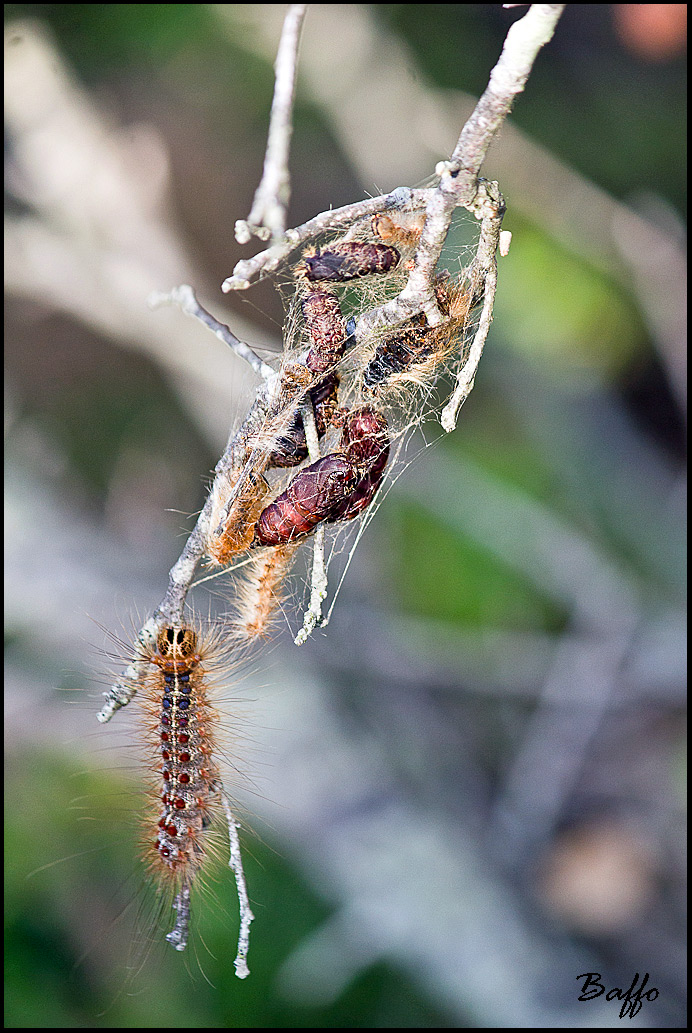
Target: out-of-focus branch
{"x":184,"y":296}
{"x":98,"y":237}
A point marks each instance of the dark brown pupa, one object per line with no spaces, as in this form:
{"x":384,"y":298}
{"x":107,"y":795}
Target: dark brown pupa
{"x":327,"y":328}
{"x":291,"y":449}
{"x":365,"y":441}
{"x":348,"y":260}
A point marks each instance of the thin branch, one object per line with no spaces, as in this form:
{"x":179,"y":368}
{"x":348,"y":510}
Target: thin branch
{"x":249,"y":270}
{"x":235,"y":863}
{"x":507,"y":79}
{"x":318,"y":579}
{"x":180,"y":931}
{"x":267,"y":218}
{"x":126,"y":685}
{"x":458,"y":184}
{"x":185,"y":297}
{"x":318,"y":589}
{"x":490,"y":208}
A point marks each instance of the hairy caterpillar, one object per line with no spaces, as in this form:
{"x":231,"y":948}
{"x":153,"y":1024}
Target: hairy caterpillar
{"x":187,"y":798}
{"x":239,"y":526}
{"x":259,"y":591}
{"x":403,"y":231}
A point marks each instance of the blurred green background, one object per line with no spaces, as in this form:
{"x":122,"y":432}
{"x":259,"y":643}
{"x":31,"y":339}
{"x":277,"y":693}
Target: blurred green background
{"x":469,"y":788}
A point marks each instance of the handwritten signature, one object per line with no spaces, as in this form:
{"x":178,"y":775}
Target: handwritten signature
{"x":632,"y":998}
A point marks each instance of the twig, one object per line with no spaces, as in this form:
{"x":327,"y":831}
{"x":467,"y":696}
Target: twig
{"x":267,"y":218}
{"x":235,"y":863}
{"x":126,"y":685}
{"x":459,"y":185}
{"x":507,"y":79}
{"x":185,"y":297}
{"x":318,"y":589}
{"x":249,"y":270}
{"x":318,"y":579}
{"x":179,"y":933}
{"x":490,"y":209}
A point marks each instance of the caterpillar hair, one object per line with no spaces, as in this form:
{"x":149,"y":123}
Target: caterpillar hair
{"x":259,"y":592}
{"x":239,"y":527}
{"x":187,"y":800}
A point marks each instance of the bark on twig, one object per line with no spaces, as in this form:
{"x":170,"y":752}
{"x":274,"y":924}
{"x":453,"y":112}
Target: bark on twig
{"x":267,"y":218}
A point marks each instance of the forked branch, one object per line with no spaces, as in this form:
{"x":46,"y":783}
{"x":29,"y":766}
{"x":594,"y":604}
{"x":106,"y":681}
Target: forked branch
{"x":458,"y":185}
